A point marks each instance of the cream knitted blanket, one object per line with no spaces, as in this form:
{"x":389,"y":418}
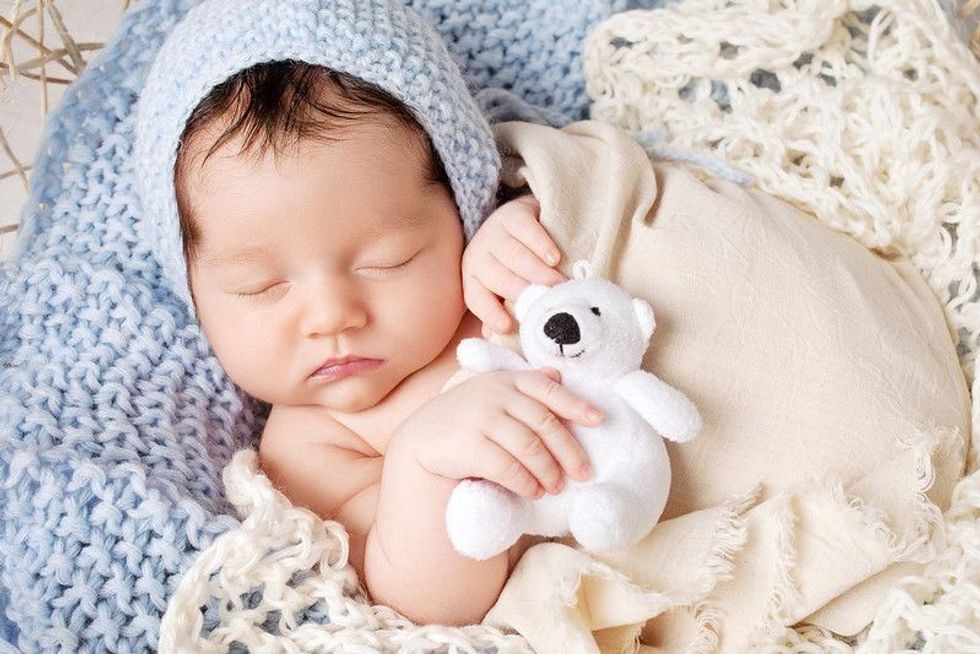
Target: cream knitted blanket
{"x":868,"y":120}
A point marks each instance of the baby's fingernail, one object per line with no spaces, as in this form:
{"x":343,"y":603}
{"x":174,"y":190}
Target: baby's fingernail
{"x":593,"y":415}
{"x":538,"y":494}
{"x":585,"y":471}
{"x":553,"y":258}
{"x":559,"y":486}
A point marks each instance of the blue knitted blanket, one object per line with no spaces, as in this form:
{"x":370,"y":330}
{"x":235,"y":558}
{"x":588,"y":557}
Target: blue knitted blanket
{"x":115,"y":418}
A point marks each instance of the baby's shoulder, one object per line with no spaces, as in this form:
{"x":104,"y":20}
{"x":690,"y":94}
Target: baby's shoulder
{"x":299,"y":426}
{"x":309,"y":458}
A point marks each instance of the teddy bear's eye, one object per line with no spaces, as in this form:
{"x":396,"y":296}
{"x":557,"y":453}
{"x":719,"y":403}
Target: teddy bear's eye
{"x":595,"y":310}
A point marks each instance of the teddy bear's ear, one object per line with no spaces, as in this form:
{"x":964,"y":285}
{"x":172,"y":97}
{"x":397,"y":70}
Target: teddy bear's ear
{"x":644,"y":316}
{"x":583,"y":269}
{"x":527,"y":298}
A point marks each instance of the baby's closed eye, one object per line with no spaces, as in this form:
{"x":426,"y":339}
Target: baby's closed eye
{"x":383,"y":268}
{"x":266,"y":290}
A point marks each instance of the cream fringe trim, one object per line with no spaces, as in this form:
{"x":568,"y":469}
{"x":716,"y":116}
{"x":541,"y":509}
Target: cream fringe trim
{"x":730,"y":536}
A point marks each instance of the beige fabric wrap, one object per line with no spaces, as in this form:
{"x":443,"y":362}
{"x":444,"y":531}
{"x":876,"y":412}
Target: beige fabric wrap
{"x":835,"y":413}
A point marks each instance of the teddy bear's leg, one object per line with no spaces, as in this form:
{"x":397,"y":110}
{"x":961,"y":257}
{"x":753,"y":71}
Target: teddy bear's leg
{"x":484,"y":519}
{"x":604,"y":517}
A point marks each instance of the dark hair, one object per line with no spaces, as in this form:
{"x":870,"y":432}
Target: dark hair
{"x":277,"y":104}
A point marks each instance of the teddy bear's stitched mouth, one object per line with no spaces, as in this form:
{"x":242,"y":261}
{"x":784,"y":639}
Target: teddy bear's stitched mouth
{"x":561,"y":353}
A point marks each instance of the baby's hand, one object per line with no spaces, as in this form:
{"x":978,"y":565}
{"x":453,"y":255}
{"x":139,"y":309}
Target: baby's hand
{"x":504,"y":427}
{"x":509,"y":251}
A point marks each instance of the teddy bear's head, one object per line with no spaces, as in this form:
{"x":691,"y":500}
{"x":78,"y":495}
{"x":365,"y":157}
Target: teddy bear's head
{"x":586,"y":325}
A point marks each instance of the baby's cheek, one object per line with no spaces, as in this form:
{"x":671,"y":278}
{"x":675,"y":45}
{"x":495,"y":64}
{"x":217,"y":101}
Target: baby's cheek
{"x":428,"y":312}
{"x":442,"y":290}
{"x":249,"y":348}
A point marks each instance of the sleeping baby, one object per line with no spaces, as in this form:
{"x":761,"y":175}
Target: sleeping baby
{"x":324,"y":207}
{"x":322,"y":198}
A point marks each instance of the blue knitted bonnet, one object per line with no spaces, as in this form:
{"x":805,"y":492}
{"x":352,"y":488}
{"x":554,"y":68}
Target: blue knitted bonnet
{"x":378,"y":41}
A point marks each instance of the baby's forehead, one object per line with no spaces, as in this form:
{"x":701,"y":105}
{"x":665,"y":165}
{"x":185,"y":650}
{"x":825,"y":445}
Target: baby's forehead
{"x":367,"y":187}
{"x":382,"y":138}
{"x":373,"y":158}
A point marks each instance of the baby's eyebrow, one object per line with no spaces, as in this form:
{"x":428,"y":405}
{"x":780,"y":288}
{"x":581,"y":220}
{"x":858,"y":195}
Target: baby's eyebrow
{"x":409,"y":219}
{"x":395,"y":221}
{"x":405,"y":218}
{"x":246,"y":255}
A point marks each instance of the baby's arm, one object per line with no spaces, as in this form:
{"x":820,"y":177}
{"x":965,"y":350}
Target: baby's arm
{"x":409,"y":562}
{"x":501,"y":427}
{"x":509,"y":251}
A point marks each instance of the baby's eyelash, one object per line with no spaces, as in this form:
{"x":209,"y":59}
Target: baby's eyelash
{"x":397,"y":266}
{"x":256,"y":294}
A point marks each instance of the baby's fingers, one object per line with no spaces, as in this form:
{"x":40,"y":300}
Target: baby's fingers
{"x":519,"y":259}
{"x":499,"y":279}
{"x":559,"y":399}
{"x":554,"y":434}
{"x":526,"y":446}
{"x":526,"y":228}
{"x":496,"y":464}
{"x":486,"y":306}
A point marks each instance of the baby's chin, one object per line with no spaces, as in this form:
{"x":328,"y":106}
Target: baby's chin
{"x":354,"y":402}
{"x":350,"y":395}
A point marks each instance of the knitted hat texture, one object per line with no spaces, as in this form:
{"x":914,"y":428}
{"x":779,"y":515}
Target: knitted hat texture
{"x":378,"y":41}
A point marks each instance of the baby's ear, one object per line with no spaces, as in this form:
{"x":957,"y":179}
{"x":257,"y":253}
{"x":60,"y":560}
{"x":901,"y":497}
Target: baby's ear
{"x":527,"y":298}
{"x":644,"y":316}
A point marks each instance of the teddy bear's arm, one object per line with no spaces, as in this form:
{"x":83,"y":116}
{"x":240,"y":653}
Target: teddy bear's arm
{"x":663,"y":406}
{"x":479,"y":355}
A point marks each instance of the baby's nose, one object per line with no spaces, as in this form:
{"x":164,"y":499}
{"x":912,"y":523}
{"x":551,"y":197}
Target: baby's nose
{"x":332,"y":312}
{"x":562,"y":329}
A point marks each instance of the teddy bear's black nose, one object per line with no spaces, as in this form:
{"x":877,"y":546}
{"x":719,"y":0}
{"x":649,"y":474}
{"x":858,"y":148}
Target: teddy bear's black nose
{"x":562,"y":329}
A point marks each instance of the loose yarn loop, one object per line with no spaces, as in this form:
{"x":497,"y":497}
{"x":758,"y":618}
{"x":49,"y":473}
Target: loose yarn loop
{"x":868,"y":117}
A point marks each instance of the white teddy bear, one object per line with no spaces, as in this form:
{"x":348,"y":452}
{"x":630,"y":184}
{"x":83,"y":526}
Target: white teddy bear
{"x":595,"y":334}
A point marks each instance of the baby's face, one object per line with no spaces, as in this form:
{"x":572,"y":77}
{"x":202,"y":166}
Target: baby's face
{"x":335,"y":250}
